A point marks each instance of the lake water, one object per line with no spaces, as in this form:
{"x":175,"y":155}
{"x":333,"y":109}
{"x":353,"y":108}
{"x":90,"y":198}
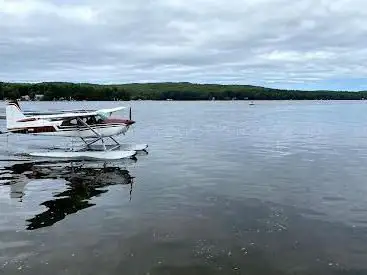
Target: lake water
{"x":275,"y":188}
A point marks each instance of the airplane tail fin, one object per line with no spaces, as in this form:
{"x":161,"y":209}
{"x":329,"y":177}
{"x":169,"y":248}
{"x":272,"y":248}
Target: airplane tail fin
{"x":13,"y":114}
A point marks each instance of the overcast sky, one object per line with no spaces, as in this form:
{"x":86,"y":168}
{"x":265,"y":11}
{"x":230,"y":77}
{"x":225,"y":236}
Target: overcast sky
{"x":307,"y":44}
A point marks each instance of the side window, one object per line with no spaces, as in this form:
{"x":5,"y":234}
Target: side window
{"x":99,"y":120}
{"x":68,"y":122}
{"x":91,"y":120}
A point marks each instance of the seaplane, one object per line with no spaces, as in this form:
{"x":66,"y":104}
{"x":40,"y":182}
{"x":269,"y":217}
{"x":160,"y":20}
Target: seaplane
{"x":90,"y":126}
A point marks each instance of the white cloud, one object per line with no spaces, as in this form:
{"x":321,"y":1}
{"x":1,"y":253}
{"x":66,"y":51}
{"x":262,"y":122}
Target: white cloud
{"x":250,"y":42}
{"x":29,"y":9}
{"x":293,"y":56}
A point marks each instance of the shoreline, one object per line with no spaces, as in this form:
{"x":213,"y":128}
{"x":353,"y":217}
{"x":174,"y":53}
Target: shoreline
{"x":188,"y":100}
{"x":171,"y":91}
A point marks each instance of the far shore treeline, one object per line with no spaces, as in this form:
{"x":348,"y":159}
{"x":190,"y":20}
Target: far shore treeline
{"x":164,"y":91}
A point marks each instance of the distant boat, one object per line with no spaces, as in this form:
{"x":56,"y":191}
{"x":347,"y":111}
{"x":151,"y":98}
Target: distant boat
{"x":251,"y":103}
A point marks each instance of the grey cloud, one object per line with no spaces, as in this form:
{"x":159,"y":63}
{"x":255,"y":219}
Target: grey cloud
{"x":250,"y":42}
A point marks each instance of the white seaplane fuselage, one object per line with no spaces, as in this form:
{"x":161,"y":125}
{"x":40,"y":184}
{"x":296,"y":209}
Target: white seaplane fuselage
{"x":83,"y":124}
{"x":56,"y":128}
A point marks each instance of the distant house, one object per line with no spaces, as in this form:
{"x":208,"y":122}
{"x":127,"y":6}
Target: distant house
{"x":25,"y":98}
{"x":38,"y":97}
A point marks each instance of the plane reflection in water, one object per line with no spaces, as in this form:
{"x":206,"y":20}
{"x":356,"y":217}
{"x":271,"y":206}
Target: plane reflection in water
{"x":85,"y":180}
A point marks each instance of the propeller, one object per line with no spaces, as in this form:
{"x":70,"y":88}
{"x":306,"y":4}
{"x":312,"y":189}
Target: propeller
{"x":130,"y":118}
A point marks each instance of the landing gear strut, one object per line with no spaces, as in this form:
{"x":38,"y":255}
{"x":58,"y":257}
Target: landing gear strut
{"x":99,"y":137}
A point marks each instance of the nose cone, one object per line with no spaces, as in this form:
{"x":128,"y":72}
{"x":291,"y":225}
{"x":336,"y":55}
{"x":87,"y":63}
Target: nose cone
{"x":129,"y":122}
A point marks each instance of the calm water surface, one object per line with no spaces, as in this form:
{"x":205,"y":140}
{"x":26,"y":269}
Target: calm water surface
{"x":274,"y":188}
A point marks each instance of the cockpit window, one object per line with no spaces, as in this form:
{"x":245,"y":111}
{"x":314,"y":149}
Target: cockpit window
{"x":92,"y":120}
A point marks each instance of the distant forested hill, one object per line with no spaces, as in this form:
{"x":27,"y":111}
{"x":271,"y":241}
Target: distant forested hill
{"x":163,"y":91}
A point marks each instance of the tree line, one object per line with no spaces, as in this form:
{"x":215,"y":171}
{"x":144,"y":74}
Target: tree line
{"x":164,"y":91}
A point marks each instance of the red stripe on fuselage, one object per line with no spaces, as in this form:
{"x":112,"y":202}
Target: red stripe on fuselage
{"x":33,"y":130}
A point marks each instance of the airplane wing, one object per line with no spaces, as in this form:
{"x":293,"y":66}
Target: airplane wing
{"x":105,"y":113}
{"x":101,"y":112}
{"x":110,"y":111}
